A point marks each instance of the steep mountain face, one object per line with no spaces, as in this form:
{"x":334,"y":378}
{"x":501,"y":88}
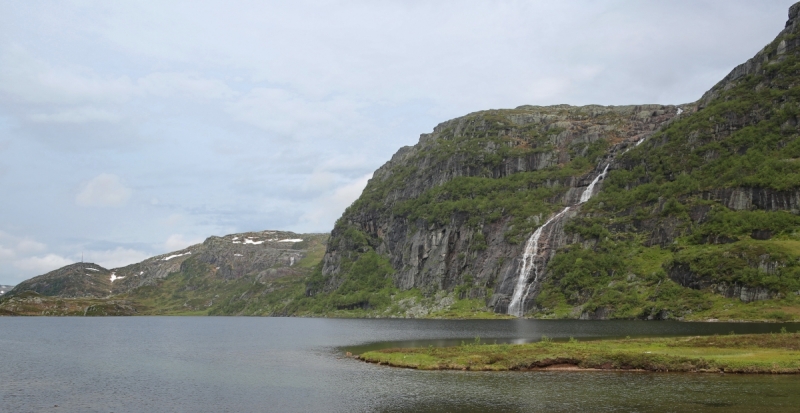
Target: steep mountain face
{"x":201,"y":278}
{"x":696,"y":215}
{"x":455,"y":209}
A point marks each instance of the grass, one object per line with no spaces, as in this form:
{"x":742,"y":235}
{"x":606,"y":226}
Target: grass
{"x":753,"y":353}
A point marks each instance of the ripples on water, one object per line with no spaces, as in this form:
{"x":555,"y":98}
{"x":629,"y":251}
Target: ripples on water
{"x":209,"y":364}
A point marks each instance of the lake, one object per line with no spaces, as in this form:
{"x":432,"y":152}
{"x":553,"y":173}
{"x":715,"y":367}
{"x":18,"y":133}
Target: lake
{"x":238,"y":364}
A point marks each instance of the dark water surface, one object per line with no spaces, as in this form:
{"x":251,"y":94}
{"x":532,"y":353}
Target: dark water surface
{"x":219,"y":364}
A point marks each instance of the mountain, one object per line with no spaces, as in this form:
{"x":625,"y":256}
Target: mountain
{"x":648,"y":211}
{"x":5,"y":288}
{"x":223,"y":275}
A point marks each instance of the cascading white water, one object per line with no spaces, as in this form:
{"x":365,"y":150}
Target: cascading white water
{"x":587,"y":194}
{"x":531,"y":254}
{"x":528,"y":262}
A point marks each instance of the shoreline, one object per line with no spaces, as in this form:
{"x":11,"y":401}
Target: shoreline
{"x":741,"y":354}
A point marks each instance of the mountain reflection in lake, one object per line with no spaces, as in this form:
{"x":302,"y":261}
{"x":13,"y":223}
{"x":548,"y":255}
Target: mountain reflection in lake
{"x":210,"y":364}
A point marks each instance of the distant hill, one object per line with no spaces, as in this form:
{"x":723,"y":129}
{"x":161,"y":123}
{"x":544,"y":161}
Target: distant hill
{"x":198,"y":279}
{"x":5,"y":288}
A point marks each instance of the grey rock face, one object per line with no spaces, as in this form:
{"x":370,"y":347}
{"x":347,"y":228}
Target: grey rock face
{"x":440,"y":256}
{"x":766,"y":199}
{"x":681,"y":273}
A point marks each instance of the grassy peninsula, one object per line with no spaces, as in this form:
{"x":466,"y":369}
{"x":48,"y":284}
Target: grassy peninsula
{"x":751,"y":353}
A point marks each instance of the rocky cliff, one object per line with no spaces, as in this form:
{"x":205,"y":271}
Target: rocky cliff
{"x":700,"y":201}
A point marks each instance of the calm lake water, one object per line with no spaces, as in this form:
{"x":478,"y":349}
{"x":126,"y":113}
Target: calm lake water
{"x":220,"y":364}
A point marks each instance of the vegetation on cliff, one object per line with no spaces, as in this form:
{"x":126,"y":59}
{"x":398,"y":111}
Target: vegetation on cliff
{"x":707,"y":207}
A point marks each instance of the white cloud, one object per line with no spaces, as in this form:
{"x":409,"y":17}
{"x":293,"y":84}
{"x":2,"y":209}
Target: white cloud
{"x":184,"y":84}
{"x":6,"y":253}
{"x":118,"y":257}
{"x":27,"y":256}
{"x":29,"y":245}
{"x":292,"y":114}
{"x":178,"y":242}
{"x":33,"y":80}
{"x":326,"y":209}
{"x":41,"y":265}
{"x":82,"y":114}
{"x":103,"y":190}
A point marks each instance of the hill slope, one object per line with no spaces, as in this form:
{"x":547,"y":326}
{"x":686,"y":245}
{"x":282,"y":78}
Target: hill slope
{"x":243,"y":273}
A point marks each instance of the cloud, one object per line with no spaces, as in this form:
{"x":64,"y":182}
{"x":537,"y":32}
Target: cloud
{"x":104,"y":190}
{"x":27,"y":256}
{"x":29,"y":245}
{"x":41,"y":265}
{"x":326,"y":209}
{"x":77,"y":115}
{"x":292,"y":114}
{"x":118,"y":257}
{"x":178,"y":242}
{"x":184,"y":84}
{"x":6,"y":253}
{"x":34,"y":80}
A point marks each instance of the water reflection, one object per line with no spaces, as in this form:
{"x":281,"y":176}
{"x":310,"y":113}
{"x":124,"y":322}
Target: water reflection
{"x":521,"y":331}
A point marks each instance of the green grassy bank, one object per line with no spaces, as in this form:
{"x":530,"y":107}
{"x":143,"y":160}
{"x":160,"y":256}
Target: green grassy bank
{"x":752,"y":353}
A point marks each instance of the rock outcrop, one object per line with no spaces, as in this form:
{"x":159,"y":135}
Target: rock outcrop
{"x":435,"y":254}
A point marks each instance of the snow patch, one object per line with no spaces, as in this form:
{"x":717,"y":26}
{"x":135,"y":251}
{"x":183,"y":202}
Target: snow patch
{"x":235,"y":238}
{"x":175,"y":256}
{"x":237,"y":242}
{"x":93,"y":269}
{"x":238,"y":255}
{"x":679,"y":111}
{"x":249,"y":241}
{"x":291,"y":240}
{"x":114,"y":277}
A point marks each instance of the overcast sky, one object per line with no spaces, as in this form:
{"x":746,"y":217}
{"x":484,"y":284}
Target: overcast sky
{"x":129,"y":129}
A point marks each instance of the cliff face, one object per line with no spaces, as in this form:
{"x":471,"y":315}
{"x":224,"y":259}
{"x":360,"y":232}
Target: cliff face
{"x":457,"y":207}
{"x":700,"y":201}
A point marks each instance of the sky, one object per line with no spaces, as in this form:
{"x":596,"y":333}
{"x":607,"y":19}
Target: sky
{"x":130,"y":129}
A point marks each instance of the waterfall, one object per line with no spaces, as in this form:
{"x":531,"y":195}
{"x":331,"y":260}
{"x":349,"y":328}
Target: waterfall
{"x":531,"y":259}
{"x":587,"y":194}
{"x":528,"y":262}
